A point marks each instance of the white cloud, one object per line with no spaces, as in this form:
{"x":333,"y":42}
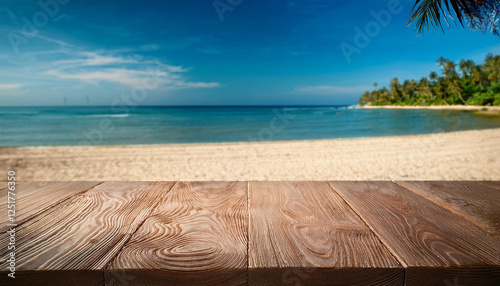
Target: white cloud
{"x":52,"y":40}
{"x":94,"y":59}
{"x":183,"y":85}
{"x":331,"y":90}
{"x":132,"y":71}
{"x":123,"y":76}
{"x":4,"y":86}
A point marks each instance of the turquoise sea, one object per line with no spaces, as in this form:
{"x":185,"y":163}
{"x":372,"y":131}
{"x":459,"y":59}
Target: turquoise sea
{"x":44,"y":126}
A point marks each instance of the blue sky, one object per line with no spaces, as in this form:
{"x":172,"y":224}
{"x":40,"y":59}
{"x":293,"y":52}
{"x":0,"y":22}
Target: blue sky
{"x":233,"y":52}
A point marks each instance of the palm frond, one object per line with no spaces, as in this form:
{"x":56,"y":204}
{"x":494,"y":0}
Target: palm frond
{"x":482,"y":15}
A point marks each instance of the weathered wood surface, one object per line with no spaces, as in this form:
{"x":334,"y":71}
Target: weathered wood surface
{"x":475,"y":202}
{"x":424,"y":236}
{"x":32,"y":198}
{"x":305,"y":232}
{"x":491,"y":184}
{"x":197,"y":235}
{"x":85,"y":232}
{"x":257,"y":233}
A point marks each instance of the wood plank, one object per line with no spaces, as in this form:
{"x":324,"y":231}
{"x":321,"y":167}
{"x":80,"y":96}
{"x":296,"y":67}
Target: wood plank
{"x":197,"y":235}
{"x":32,"y":198}
{"x":450,"y":276}
{"x":54,"y":278}
{"x":475,"y":202}
{"x":303,"y":233}
{"x":4,"y":189}
{"x":80,"y":236}
{"x":491,"y":184}
{"x":423,"y":235}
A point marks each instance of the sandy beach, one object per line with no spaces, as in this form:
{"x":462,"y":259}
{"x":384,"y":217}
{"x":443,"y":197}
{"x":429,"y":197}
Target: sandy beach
{"x":465,"y":155}
{"x":432,"y":107}
{"x":487,"y":110}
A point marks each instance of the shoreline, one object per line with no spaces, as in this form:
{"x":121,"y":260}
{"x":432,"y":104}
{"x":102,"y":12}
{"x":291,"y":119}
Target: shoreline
{"x":480,"y":110}
{"x":230,"y":143}
{"x":459,"y":155}
{"x":432,"y":107}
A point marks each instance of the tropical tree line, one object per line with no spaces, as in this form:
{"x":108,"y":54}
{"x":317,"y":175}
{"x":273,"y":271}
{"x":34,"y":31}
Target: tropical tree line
{"x":465,"y":83}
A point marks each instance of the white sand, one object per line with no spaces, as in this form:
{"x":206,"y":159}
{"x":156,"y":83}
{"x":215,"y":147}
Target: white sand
{"x":435,"y":107}
{"x":466,"y":155}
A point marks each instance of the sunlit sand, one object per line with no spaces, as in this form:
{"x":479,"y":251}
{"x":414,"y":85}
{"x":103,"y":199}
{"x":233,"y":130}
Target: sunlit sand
{"x":464,"y":155}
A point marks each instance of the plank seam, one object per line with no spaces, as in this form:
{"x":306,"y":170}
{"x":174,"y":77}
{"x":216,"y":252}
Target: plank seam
{"x":132,"y":234}
{"x":390,"y":250}
{"x":56,"y":204}
{"x":404,"y":276}
{"x":248,"y":232}
{"x":463,"y":216}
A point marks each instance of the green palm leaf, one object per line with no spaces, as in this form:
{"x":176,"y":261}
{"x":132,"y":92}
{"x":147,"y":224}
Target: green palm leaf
{"x":482,"y":15}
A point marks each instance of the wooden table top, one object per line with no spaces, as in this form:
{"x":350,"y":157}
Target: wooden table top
{"x":252,"y":233}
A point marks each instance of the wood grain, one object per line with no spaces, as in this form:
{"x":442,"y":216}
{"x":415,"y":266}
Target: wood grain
{"x":32,"y":198}
{"x":81,"y":235}
{"x":491,"y":184}
{"x":261,"y":233}
{"x":197,"y":235}
{"x":54,"y":278}
{"x":450,"y":276}
{"x":475,"y":202}
{"x":305,"y":234}
{"x":422,"y":234}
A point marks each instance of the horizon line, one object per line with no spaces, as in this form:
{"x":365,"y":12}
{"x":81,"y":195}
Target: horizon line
{"x":187,"y":105}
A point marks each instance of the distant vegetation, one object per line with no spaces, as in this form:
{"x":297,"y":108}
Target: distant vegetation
{"x":471,"y":85}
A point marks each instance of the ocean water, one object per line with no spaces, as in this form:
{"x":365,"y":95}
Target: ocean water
{"x":44,"y":126}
